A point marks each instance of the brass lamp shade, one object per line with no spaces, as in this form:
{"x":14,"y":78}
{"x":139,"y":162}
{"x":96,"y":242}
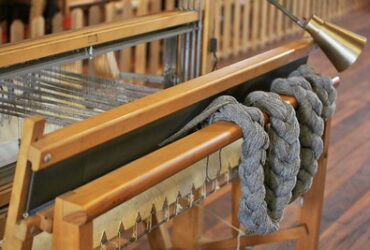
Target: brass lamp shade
{"x":341,"y":46}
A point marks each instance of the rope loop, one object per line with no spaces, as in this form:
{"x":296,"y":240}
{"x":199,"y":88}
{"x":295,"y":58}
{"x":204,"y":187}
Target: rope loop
{"x":308,"y":113}
{"x":253,"y":212}
{"x":322,"y":86}
{"x":283,"y":160}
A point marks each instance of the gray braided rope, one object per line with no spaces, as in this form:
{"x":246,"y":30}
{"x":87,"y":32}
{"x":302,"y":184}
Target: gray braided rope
{"x":311,"y":128}
{"x":322,"y":86}
{"x":216,"y":104}
{"x":253,"y":211}
{"x":283,"y":159}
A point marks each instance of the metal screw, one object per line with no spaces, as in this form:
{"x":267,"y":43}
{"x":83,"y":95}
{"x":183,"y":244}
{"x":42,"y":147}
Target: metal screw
{"x":91,"y":53}
{"x":32,"y":230}
{"x":47,"y":158}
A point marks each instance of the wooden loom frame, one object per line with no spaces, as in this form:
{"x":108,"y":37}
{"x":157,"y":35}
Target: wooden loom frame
{"x":74,"y":211}
{"x":57,"y":44}
{"x":71,"y":218}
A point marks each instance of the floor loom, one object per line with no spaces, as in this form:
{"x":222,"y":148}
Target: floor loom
{"x":109,"y":197}
{"x":33,"y":68}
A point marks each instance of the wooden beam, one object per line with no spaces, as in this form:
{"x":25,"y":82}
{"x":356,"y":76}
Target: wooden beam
{"x":208,"y":32}
{"x":5,"y":192}
{"x":314,"y":199}
{"x":280,"y":236}
{"x":94,"y":131}
{"x":32,"y":131}
{"x":187,"y":229}
{"x":90,"y":36}
{"x":104,"y":193}
{"x":70,"y":233}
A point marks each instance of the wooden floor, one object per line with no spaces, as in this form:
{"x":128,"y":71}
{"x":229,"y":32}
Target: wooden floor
{"x":346,"y":216}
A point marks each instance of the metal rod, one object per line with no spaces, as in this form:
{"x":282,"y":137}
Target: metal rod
{"x":193,"y":45}
{"x":288,"y":13}
{"x":187,"y":48}
{"x":199,"y":39}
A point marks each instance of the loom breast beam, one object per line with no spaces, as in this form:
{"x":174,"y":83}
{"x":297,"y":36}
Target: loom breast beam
{"x":77,"y":138}
{"x":96,"y":198}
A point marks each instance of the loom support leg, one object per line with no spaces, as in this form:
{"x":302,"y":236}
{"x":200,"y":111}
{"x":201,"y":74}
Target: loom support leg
{"x":187,"y":229}
{"x":314,"y":199}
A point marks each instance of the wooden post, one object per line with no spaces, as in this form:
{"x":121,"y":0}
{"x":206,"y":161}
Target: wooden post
{"x":16,"y":31}
{"x":187,"y":229}
{"x":314,"y":199}
{"x":1,"y":34}
{"x":105,"y":66}
{"x":217,"y":25}
{"x":77,"y":19}
{"x":33,"y":130}
{"x":159,"y":238}
{"x":235,"y":201}
{"x":226,"y":39}
{"x":37,"y":8}
{"x":236,"y":33}
{"x":279,"y":25}
{"x":208,"y":30}
{"x":155,"y":49}
{"x":69,"y":230}
{"x":126,"y":62}
{"x":271,"y":32}
{"x":246,"y":26}
{"x":255,"y":23}
{"x":263,"y":23}
{"x":140,"y":50}
{"x":37,"y":27}
{"x":57,"y":23}
{"x":170,"y":4}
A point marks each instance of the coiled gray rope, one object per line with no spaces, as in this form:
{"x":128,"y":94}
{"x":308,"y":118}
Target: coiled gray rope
{"x":261,"y":208}
{"x":253,"y":212}
{"x":322,"y":86}
{"x":268,"y":184}
{"x":198,"y":121}
{"x":311,"y":124}
{"x":253,"y":207}
{"x":283,"y":159}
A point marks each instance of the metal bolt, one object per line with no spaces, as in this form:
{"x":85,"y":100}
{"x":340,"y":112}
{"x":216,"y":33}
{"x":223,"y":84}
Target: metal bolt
{"x":25,"y":215}
{"x":33,"y":230}
{"x":47,"y":158}
{"x":91,"y":53}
